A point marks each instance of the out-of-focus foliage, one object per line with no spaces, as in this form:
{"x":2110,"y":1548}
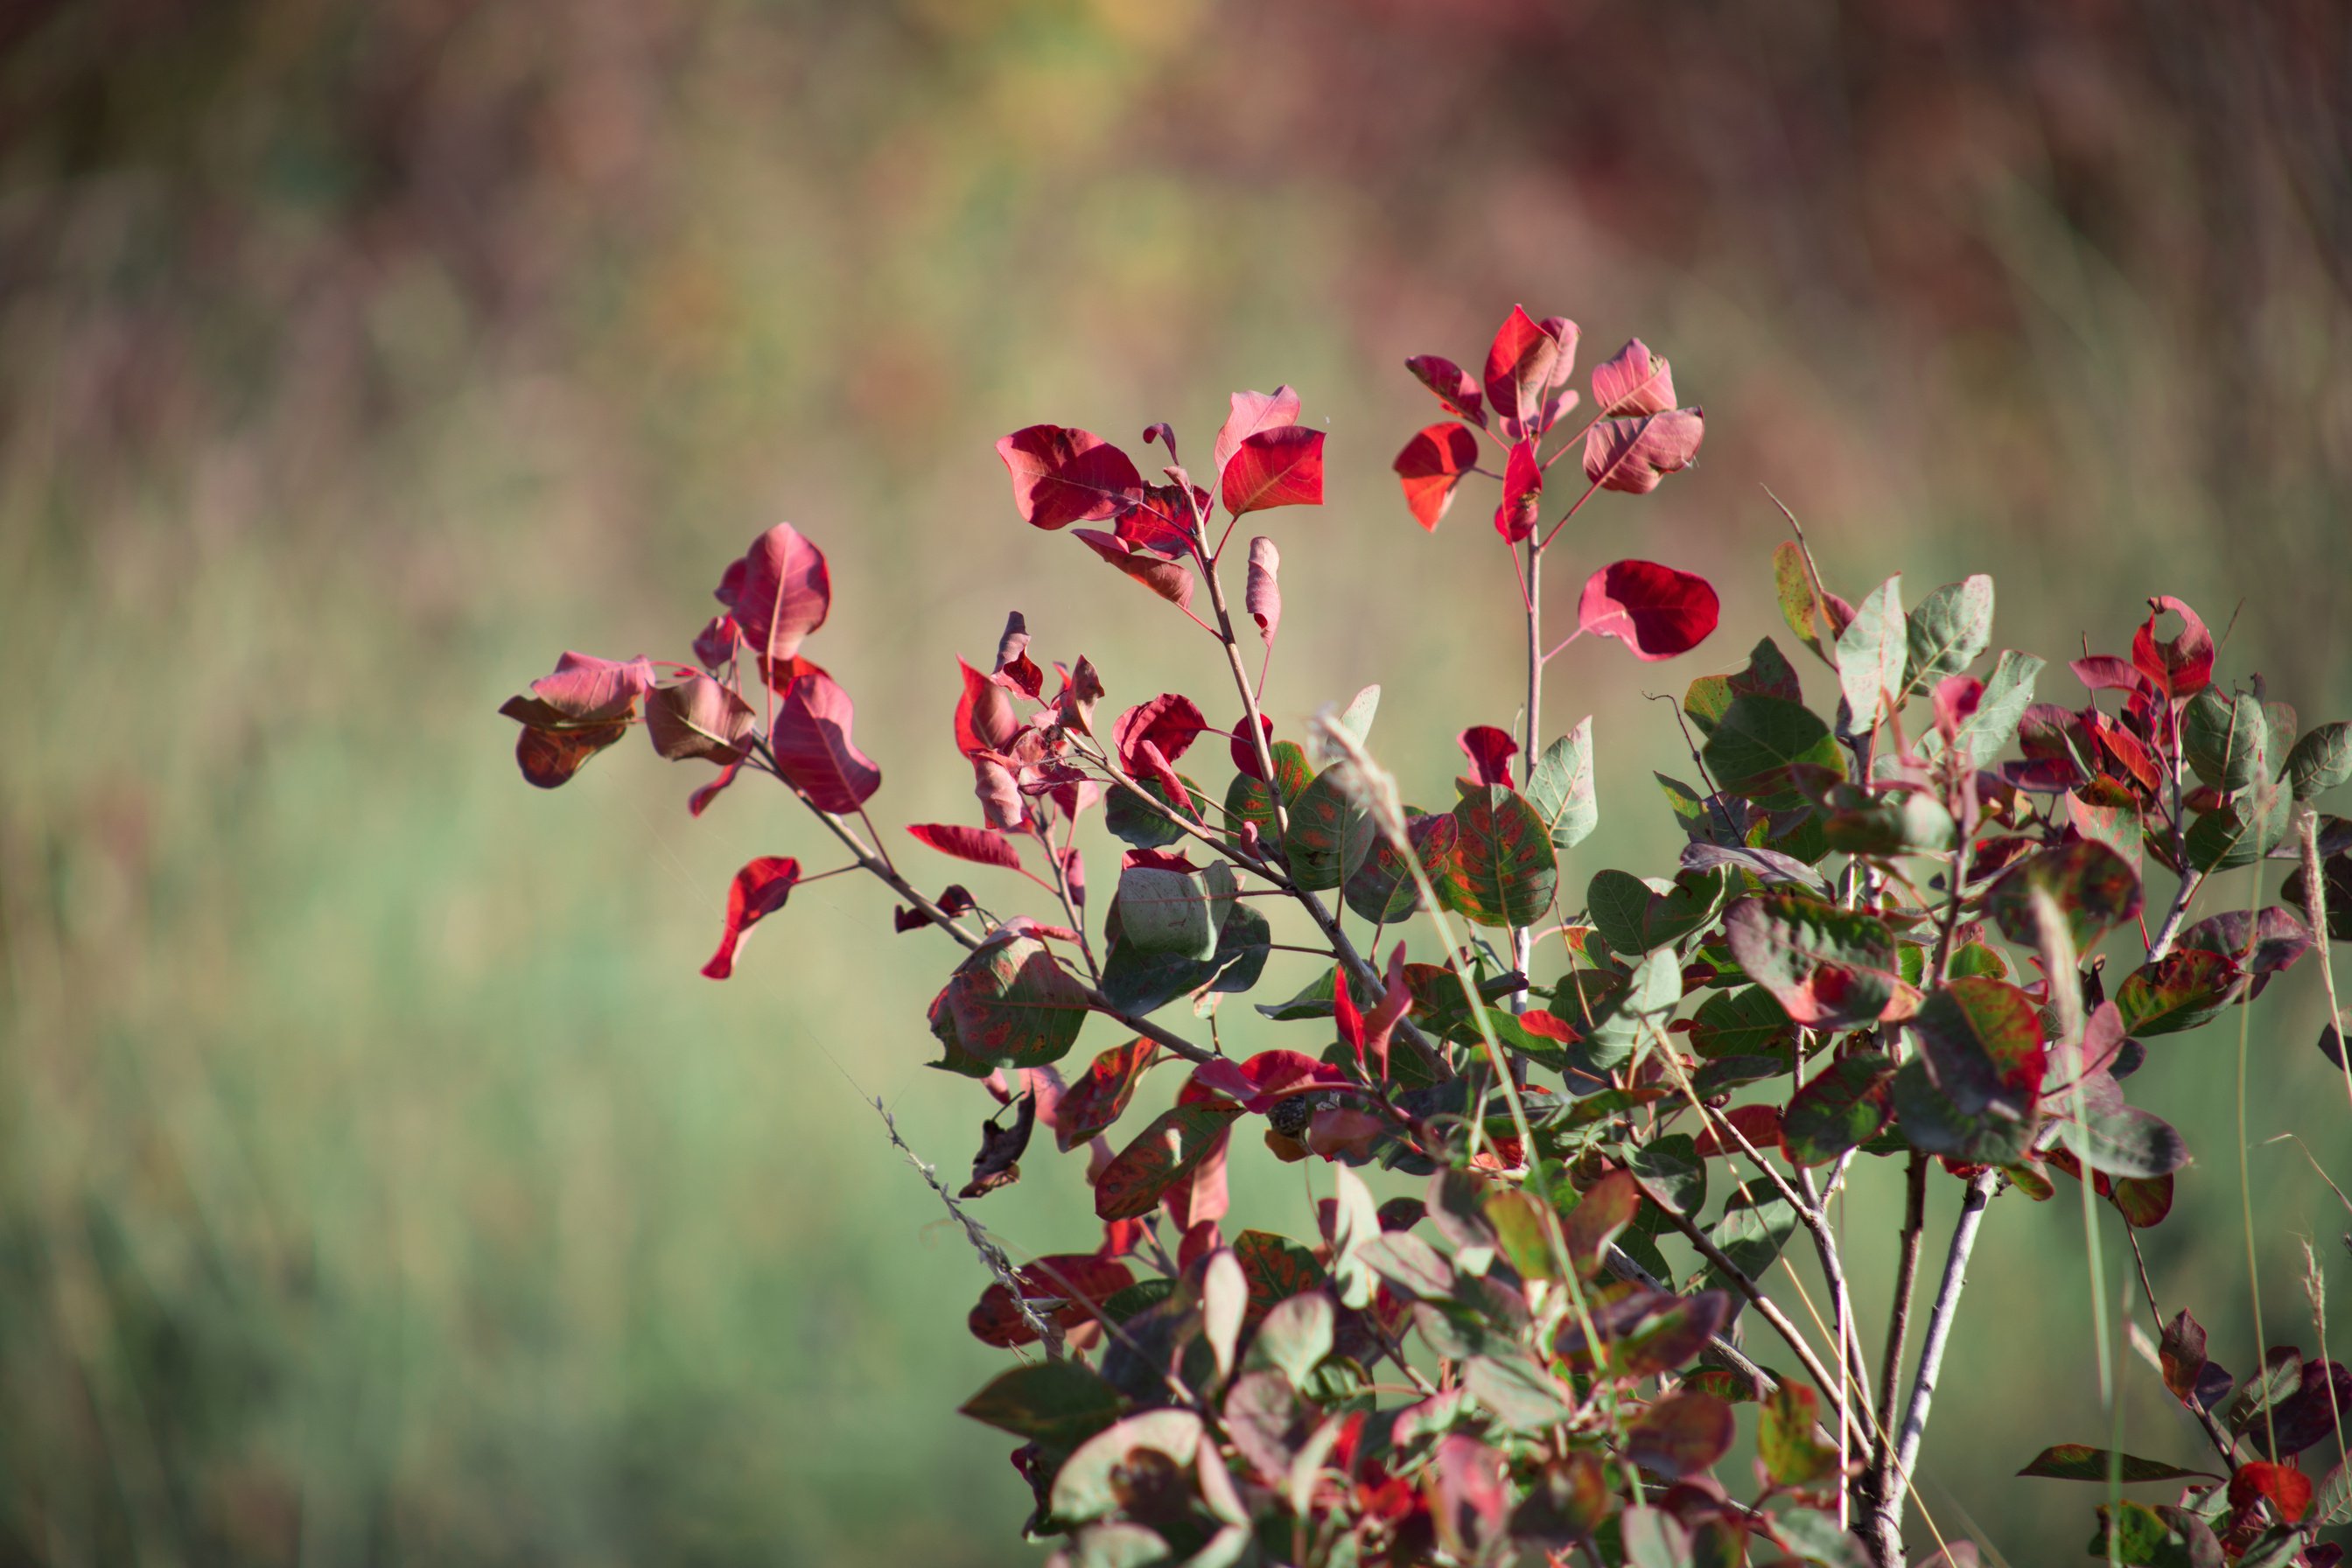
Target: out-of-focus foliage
{"x":376,"y":1182}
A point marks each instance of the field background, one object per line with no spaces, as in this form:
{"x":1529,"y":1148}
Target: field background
{"x":379,"y":1182}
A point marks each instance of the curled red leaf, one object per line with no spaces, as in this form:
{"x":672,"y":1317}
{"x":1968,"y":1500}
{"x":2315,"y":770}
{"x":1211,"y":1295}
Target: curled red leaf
{"x":1263,"y":595}
{"x":1632,"y":381}
{"x":2182,"y":667}
{"x":1490,"y":751}
{"x":1452,"y":384}
{"x":575,"y":712}
{"x":1527,"y":365}
{"x":1515,"y":518}
{"x":1171,"y":580}
{"x":698,"y":718}
{"x":1632,"y":455}
{"x":812,"y":746}
{"x":1432,"y":464}
{"x":759,"y":890}
{"x":1170,"y":722}
{"x":1655,"y":610}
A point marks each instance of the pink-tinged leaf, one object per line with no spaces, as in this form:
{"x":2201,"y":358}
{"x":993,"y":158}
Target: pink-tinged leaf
{"x":758,"y":891}
{"x":2183,"y":666}
{"x":1061,"y":476}
{"x":1956,"y":697}
{"x":1165,"y":434}
{"x":1348,"y":1016}
{"x":1170,"y":721}
{"x":999,"y":792}
{"x":1516,"y":518}
{"x":1264,"y":595}
{"x":2106,"y":672}
{"x":985,"y":720}
{"x":813,"y":749}
{"x":699,"y":801}
{"x":715,"y":644}
{"x":1527,"y":362}
{"x":1199,"y":1195}
{"x":1013,"y":646}
{"x":1635,"y":381}
{"x":1281,"y":466}
{"x":1171,"y":580}
{"x":1490,"y":752}
{"x":1632,"y":455}
{"x":698,"y":718}
{"x":983,"y":844}
{"x":1452,"y":384}
{"x":779,"y":592}
{"x":1430,"y":465}
{"x":1160,"y":1156}
{"x":1759,"y":1124}
{"x":1343,"y":1132}
{"x":1090,"y":1106}
{"x":1655,"y":610}
{"x":575,"y":713}
{"x":1252,"y":412}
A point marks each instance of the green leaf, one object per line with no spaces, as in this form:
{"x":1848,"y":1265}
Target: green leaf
{"x":1014,"y":1005}
{"x":1755,"y":1226}
{"x":1137,"y":982}
{"x":1620,"y":1017}
{"x":2007,"y":693}
{"x":1058,"y":1402}
{"x":1759,"y":738}
{"x":1673,"y":1172}
{"x":1087,"y":1487}
{"x":1896,"y":822}
{"x":1409,"y":1264}
{"x":1357,"y":717}
{"x":1503,"y":871}
{"x":1841,"y":1108}
{"x":2184,"y":989}
{"x":1635,"y":918}
{"x":2094,"y":886}
{"x":1816,"y":1537}
{"x":2243,"y":830}
{"x":2140,"y":1536}
{"x":1165,"y":912}
{"x":1828,"y":967}
{"x":1653,"y":1539}
{"x":2124,"y":1141}
{"x":1768,"y":675}
{"x":1949,"y":629}
{"x":1160,"y":1155}
{"x":2227,"y":739}
{"x":1798,"y":605}
{"x":1296,"y":1335}
{"x":1382,"y":889}
{"x":2083,"y":1462}
{"x":1518,"y":1394}
{"x":1134,"y":823}
{"x":1871,"y":652}
{"x":1559,"y":787}
{"x":1933,"y":1125}
{"x":1331,"y":833}
{"x":1747,"y":1022}
{"x":2320,"y":761}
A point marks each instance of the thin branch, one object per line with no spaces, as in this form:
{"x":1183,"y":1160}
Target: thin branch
{"x":2314,"y":894}
{"x":982,"y":1242}
{"x":1939,"y":1333}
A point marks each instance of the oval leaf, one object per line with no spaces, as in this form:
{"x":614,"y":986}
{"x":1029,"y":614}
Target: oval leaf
{"x":1655,"y":610}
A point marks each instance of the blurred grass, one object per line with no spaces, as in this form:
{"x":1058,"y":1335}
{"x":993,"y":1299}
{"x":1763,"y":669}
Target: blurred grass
{"x":378,"y":1183}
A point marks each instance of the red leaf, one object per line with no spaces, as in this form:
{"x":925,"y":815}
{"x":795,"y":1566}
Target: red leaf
{"x":999,"y":792}
{"x":1264,"y":595}
{"x":1170,"y":721}
{"x":1490,"y":752}
{"x":1655,"y":610}
{"x":1349,"y":1016}
{"x":1068,"y":1289}
{"x":1244,"y":754}
{"x":779,"y":592}
{"x":1634,"y":382}
{"x":1252,"y":412}
{"x":1528,"y":360}
{"x":984,"y":845}
{"x":1281,"y":466}
{"x":813,"y":749}
{"x":1199,"y":1195}
{"x":1430,"y":465}
{"x":2288,"y":1490}
{"x":2106,"y":672}
{"x":1088,"y":1107}
{"x":1759,"y":1124}
{"x":575,"y":713}
{"x":2183,"y":666}
{"x":1258,"y":1082}
{"x":985,"y":720}
{"x":1061,"y":476}
{"x":696,"y":717}
{"x":1632,"y":455}
{"x":1515,"y":518}
{"x":1956,"y":697}
{"x":1452,"y":384}
{"x":715,"y":644}
{"x":699,"y":801}
{"x":1171,"y":580}
{"x":759,"y":890}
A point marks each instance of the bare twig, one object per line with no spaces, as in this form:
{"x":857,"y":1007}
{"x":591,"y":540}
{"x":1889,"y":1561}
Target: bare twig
{"x":1938,"y":1336}
{"x":2314,"y":896}
{"x":982,"y":1243}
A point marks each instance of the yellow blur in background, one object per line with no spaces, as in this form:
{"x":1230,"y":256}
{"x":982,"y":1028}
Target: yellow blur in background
{"x":379,"y":1182}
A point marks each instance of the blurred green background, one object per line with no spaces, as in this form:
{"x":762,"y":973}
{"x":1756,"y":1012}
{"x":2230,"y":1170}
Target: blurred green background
{"x":379,"y":1182}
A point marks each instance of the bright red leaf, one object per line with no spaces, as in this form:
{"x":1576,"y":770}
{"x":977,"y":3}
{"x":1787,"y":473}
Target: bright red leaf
{"x":1516,"y":518}
{"x":1452,"y":384}
{"x":1527,"y":364}
{"x":1281,"y":467}
{"x":2288,"y":1490}
{"x":2183,"y":666}
{"x":1490,"y":751}
{"x":1061,"y":476}
{"x":1170,"y":721}
{"x":1170,"y":579}
{"x":1655,"y":610}
{"x":758,"y":891}
{"x":983,"y":844}
{"x":1430,"y":465}
{"x":985,"y":720}
{"x":1252,"y":412}
{"x":813,"y":749}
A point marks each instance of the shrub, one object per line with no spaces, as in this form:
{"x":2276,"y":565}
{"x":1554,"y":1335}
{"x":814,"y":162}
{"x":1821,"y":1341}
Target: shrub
{"x":1873,"y":960}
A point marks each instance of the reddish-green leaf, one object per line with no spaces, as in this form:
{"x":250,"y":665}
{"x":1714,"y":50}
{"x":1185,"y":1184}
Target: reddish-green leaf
{"x":1841,"y":1108}
{"x":1681,"y":1434}
{"x":1331,"y":833}
{"x":1785,"y":1444}
{"x":1012,"y":1004}
{"x":1800,"y":605}
{"x":1828,"y":967}
{"x":1503,"y":871}
{"x":1981,"y":1040}
{"x":698,"y":718}
{"x":1090,"y":1106}
{"x":1276,"y":1269}
{"x":2095,"y":888}
{"x":1599,"y":1218}
{"x":1058,"y":1402}
{"x":1178,"y":1139}
{"x":2182,"y":990}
